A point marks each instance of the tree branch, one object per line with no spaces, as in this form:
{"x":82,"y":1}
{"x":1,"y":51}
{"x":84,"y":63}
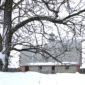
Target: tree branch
{"x":17,"y":4}
{"x":33,"y":50}
{"x":38,"y":18}
{"x":75,"y":14}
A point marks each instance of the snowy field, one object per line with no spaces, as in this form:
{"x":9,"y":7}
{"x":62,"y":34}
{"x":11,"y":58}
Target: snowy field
{"x":34,"y":78}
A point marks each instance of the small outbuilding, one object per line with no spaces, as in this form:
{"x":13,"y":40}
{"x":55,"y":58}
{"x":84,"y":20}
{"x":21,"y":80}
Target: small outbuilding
{"x":69,"y":53}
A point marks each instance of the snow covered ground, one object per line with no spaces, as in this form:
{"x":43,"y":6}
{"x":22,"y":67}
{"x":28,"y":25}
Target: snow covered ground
{"x":34,"y":78}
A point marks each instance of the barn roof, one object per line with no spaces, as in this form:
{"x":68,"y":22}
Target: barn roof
{"x":72,"y":53}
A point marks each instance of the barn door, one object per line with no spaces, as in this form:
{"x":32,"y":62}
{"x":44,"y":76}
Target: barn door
{"x":26,"y":68}
{"x":53,"y":69}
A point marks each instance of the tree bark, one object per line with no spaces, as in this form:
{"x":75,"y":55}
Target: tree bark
{"x":0,"y":43}
{"x":7,"y":32}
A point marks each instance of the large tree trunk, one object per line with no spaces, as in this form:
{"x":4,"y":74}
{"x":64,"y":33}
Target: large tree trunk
{"x":1,"y":64}
{"x":0,"y":43}
{"x":7,"y":32}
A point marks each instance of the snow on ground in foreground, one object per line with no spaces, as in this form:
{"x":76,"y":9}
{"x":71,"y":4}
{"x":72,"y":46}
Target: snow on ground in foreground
{"x":34,"y":78}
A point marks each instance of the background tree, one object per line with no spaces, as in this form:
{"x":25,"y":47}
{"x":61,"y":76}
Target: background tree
{"x":30,"y":22}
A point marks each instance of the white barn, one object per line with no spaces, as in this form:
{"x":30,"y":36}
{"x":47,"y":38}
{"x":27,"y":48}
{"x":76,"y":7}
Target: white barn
{"x":69,"y":53}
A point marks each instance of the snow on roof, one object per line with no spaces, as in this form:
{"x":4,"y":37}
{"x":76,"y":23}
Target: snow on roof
{"x":49,"y":63}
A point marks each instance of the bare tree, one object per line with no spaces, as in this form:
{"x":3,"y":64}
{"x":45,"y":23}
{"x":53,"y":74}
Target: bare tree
{"x":35,"y":17}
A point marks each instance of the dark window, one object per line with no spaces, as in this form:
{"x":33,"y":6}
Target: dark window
{"x":82,"y":71}
{"x":40,"y":67}
{"x":53,"y":69}
{"x":66,"y":67}
{"x":26,"y":68}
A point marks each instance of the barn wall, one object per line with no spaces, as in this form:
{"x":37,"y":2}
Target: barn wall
{"x":22,"y":68}
{"x":44,"y":69}
{"x":33,"y":68}
{"x":63,"y":69}
{"x":48,"y":69}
